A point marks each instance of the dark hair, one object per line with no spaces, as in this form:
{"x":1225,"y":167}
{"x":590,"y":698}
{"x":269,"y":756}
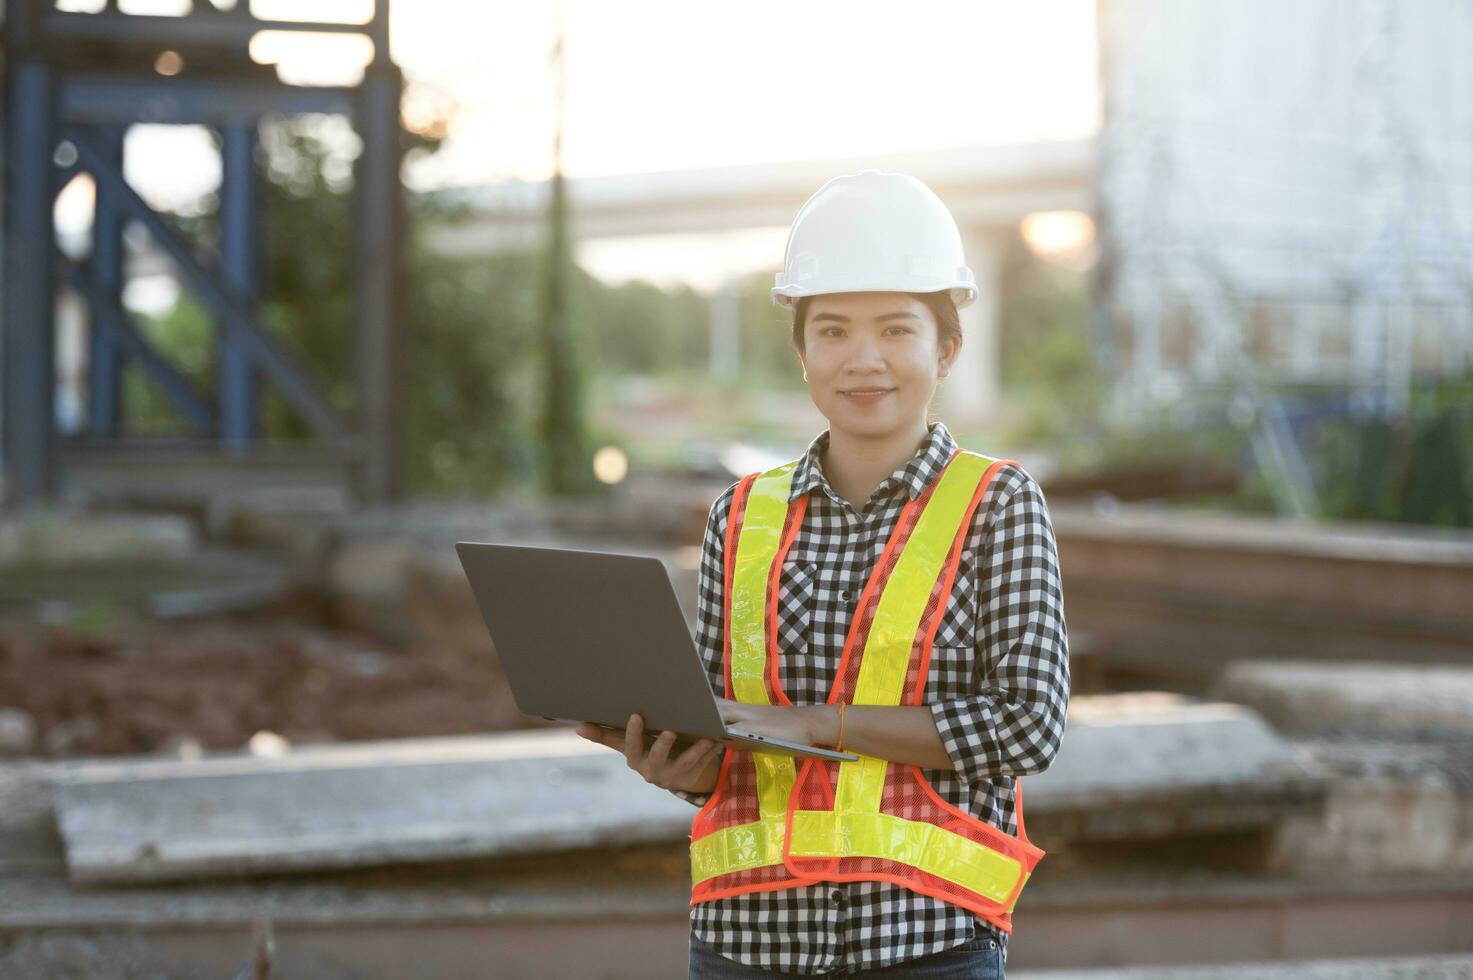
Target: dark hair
{"x":948,"y":319}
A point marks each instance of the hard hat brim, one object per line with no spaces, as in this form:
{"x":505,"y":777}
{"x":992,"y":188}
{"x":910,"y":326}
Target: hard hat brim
{"x":963,"y":293}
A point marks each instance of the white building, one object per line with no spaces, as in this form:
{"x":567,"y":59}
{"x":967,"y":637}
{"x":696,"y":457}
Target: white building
{"x":1285,"y":197}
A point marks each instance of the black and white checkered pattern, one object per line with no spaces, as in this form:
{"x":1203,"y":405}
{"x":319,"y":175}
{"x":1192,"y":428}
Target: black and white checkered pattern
{"x":998,"y":687}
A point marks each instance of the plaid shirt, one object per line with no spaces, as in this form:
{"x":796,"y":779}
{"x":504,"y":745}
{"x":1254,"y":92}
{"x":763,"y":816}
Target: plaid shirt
{"x":998,"y":688}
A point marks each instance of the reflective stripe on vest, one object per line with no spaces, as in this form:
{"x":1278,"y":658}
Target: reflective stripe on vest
{"x":776,"y":844}
{"x":759,"y":842}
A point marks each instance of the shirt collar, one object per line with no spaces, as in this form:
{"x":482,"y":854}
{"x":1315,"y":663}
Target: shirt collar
{"x":917,"y":473}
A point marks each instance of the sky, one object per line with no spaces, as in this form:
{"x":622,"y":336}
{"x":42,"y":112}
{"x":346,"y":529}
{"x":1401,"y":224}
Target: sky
{"x":656,"y":85}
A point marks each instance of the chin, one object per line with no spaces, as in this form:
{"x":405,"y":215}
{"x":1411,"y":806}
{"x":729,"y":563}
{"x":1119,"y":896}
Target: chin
{"x":864,"y":426}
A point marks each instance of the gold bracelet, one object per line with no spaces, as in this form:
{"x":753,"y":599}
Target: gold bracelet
{"x":839,"y":747}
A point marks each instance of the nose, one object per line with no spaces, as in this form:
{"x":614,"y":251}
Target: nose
{"x":864,"y":354}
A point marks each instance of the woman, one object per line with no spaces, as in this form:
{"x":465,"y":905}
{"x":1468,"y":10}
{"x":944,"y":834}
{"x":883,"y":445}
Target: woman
{"x":882,"y":515}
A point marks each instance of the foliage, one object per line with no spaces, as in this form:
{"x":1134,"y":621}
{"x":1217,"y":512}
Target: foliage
{"x":307,"y":262}
{"x":471,"y":328}
{"x":642,"y":329}
{"x":766,"y":342}
{"x":564,"y":456}
{"x":1046,"y":357}
{"x":1416,"y":468}
{"x":185,"y":336}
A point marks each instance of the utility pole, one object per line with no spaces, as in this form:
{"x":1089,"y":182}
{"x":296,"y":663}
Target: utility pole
{"x":566,"y":464}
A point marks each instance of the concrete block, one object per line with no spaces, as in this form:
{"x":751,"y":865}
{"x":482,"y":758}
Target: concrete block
{"x":1118,"y":747}
{"x":1157,"y":764}
{"x":1395,"y":807}
{"x":1378,"y":826}
{"x":1131,"y":766}
{"x":352,"y":805}
{"x":58,"y":537}
{"x":1308,"y":696}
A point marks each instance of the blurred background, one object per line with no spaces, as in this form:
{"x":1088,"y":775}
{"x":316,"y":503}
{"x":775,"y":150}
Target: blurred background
{"x":298,"y":293}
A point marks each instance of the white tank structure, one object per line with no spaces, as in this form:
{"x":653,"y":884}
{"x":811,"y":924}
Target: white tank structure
{"x":1285,"y":209}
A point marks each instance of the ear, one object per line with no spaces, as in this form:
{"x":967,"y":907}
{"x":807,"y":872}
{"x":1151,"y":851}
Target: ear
{"x":950,"y":351}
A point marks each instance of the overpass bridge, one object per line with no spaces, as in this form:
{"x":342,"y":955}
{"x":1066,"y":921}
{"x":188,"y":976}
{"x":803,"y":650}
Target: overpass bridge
{"x":989,"y":190}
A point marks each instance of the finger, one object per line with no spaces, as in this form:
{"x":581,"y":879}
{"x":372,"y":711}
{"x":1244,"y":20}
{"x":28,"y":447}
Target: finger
{"x":659,"y":755}
{"x":613,"y":740}
{"x":634,"y":742}
{"x":698,"y":754}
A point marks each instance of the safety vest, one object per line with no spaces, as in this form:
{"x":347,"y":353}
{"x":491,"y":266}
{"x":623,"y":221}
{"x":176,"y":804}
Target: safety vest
{"x":770,"y":824}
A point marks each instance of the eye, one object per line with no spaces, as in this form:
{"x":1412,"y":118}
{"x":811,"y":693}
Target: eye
{"x":900,"y":328}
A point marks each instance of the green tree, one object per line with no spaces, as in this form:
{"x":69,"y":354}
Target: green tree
{"x":1046,"y":358}
{"x":564,"y":439}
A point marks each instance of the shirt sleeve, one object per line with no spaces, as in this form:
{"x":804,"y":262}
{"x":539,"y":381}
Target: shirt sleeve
{"x":1014,"y":723}
{"x":711,"y":608}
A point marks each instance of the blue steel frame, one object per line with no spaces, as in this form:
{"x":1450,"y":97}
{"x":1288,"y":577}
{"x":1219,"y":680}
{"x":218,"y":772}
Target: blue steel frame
{"x":46,"y":103}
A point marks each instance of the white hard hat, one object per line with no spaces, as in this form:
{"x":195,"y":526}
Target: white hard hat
{"x":874,"y":231}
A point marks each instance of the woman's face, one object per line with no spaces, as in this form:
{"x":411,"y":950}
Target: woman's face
{"x":872,"y":360}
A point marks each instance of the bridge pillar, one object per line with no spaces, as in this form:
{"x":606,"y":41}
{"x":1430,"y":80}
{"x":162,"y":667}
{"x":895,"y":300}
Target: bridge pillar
{"x":969,"y":395}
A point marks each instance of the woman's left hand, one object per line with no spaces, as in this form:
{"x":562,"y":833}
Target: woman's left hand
{"x":793,"y":724}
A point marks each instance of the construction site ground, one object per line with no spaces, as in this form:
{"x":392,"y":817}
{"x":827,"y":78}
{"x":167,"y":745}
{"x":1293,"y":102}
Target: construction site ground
{"x":135,"y":687}
{"x":254,"y":631}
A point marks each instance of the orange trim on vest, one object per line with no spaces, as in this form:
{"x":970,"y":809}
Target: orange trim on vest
{"x":794,"y":521}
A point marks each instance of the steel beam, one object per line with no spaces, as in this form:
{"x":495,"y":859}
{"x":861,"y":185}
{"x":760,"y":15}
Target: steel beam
{"x":239,"y":267}
{"x":265,"y":350}
{"x":113,"y":330}
{"x":47,"y":101}
{"x":377,"y":30}
{"x":61,"y":176}
{"x":376,"y":292}
{"x":105,"y":356}
{"x":205,"y":28}
{"x":29,"y":379}
{"x":100,"y":98}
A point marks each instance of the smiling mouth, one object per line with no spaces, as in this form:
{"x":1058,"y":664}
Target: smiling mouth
{"x":863,"y":392}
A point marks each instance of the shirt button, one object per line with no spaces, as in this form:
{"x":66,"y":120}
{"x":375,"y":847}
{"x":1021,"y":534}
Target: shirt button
{"x":844,"y":595}
{"x":837,"y":895}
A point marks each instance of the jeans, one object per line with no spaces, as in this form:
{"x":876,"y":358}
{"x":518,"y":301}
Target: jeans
{"x":976,"y":959}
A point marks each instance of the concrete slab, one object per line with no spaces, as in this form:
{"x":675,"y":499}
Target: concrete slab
{"x":1397,"y":806}
{"x":1155,"y":764}
{"x":64,"y":535}
{"x":411,"y":586}
{"x":1192,"y":528}
{"x":206,"y":581}
{"x":353,"y":805}
{"x":623,"y":912}
{"x":1354,"y":696}
{"x":608,"y":919}
{"x":1170,"y":596}
{"x":1132,"y":766}
{"x":1378,"y":968}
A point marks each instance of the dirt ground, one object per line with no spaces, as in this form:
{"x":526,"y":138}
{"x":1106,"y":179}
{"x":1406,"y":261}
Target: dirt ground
{"x":142,"y":686}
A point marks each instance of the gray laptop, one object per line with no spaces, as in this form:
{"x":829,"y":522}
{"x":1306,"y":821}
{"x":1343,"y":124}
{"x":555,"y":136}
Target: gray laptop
{"x":596,"y":636}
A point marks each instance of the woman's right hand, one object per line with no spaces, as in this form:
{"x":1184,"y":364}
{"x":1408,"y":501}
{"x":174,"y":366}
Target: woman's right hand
{"x":693,"y":771}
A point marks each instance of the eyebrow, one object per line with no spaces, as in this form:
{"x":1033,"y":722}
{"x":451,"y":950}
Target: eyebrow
{"x":840,"y":318}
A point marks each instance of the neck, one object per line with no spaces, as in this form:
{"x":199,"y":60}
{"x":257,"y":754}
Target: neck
{"x":856,"y":463}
